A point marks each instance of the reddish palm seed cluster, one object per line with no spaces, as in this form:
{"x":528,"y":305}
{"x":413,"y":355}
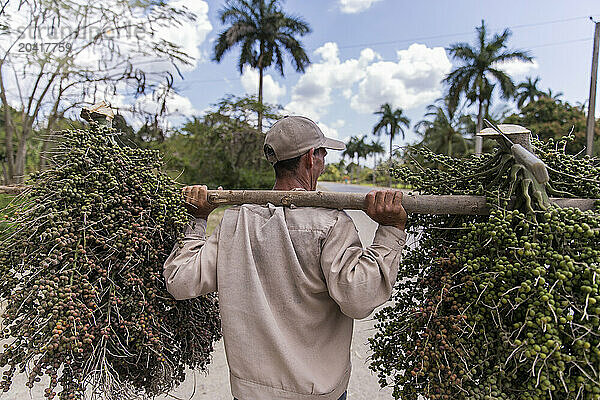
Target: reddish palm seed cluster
{"x":81,"y":266}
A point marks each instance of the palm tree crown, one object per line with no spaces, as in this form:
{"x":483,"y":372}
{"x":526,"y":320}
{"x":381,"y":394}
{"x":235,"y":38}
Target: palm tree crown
{"x":553,"y":96}
{"x":263,"y":32}
{"x":351,"y":149}
{"x":391,"y":123}
{"x":479,"y":68}
{"x":443,"y":131}
{"x":527,"y":91}
{"x":376,"y":147}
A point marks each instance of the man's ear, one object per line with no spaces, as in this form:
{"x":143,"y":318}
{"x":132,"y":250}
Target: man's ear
{"x":309,"y":158}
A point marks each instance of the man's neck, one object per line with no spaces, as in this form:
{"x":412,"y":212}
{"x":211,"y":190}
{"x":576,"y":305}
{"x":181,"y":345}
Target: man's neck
{"x":291,"y":184}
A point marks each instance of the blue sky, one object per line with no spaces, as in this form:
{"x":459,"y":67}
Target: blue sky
{"x":367,"y":52}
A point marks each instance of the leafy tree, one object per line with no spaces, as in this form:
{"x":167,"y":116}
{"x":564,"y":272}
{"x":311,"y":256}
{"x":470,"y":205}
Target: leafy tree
{"x":547,"y":118}
{"x":333,"y":173}
{"x":263,"y":32}
{"x":479,"y":68}
{"x":444,"y":131}
{"x":222,"y":148}
{"x":102,"y":48}
{"x":34,"y":145}
{"x":391,"y":122}
{"x":527,"y":91}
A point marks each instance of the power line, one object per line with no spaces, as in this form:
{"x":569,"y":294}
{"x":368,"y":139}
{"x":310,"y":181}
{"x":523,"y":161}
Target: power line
{"x":442,"y":36}
{"x":589,"y":39}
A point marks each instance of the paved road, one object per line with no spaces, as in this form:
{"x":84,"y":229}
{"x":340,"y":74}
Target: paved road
{"x":215,"y":384}
{"x":345,"y":187}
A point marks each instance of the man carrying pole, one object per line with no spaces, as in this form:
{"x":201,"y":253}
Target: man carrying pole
{"x":290,"y":281}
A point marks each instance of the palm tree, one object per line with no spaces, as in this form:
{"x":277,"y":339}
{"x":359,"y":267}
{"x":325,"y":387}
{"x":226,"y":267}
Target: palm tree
{"x":351,"y":151}
{"x":480,"y":66}
{"x":527,"y":91}
{"x":375,"y":148}
{"x":362,"y":149}
{"x":553,"y":96}
{"x":444,"y":130}
{"x":581,"y":106}
{"x":391,"y":123}
{"x":263,"y":31}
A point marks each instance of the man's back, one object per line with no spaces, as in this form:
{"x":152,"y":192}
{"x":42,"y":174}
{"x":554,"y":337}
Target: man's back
{"x":290,"y":282}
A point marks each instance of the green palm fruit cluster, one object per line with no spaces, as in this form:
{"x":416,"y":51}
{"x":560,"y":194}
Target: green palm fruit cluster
{"x":501,"y":306}
{"x":85,"y":305}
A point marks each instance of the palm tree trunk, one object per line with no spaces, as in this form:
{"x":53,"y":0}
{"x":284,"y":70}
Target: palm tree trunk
{"x":390,"y":166}
{"x":260,"y":96}
{"x":479,"y":139}
{"x":374,"y":166}
{"x":450,"y":147}
{"x":4,"y":173}
{"x":9,"y":133}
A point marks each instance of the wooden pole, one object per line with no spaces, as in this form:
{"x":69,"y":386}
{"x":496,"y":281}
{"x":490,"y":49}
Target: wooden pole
{"x":413,"y":204}
{"x":591,"y":117}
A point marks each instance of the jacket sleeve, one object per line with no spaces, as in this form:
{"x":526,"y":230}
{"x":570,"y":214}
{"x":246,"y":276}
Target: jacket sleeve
{"x":359,"y":280}
{"x":191,"y":270}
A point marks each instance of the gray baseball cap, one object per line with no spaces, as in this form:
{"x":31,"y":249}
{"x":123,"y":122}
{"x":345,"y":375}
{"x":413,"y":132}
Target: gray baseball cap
{"x":293,"y":136}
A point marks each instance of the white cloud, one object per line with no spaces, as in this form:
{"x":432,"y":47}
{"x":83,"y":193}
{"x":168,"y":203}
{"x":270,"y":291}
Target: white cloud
{"x":355,"y":6}
{"x":272,"y":91}
{"x":517,"y":68}
{"x":190,"y":34}
{"x":328,"y":131}
{"x":367,"y":82}
{"x":340,"y":123}
{"x":313,"y":91}
{"x":412,"y":81}
{"x":176,"y":105}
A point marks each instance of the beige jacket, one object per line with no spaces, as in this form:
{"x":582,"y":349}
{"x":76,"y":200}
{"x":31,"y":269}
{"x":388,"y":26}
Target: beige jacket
{"x":290,"y":282}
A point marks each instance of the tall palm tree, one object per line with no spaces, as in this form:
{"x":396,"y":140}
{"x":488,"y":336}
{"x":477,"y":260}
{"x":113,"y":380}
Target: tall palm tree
{"x":362,"y":149}
{"x":527,"y":91}
{"x":443,"y":132}
{"x":375,"y":148}
{"x":553,"y":96}
{"x":391,"y":123}
{"x":351,"y":151}
{"x":263,"y":32}
{"x":581,"y":106}
{"x":480,"y":67}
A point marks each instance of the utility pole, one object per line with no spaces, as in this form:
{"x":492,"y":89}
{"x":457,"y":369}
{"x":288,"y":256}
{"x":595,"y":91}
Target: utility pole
{"x":591,"y":117}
